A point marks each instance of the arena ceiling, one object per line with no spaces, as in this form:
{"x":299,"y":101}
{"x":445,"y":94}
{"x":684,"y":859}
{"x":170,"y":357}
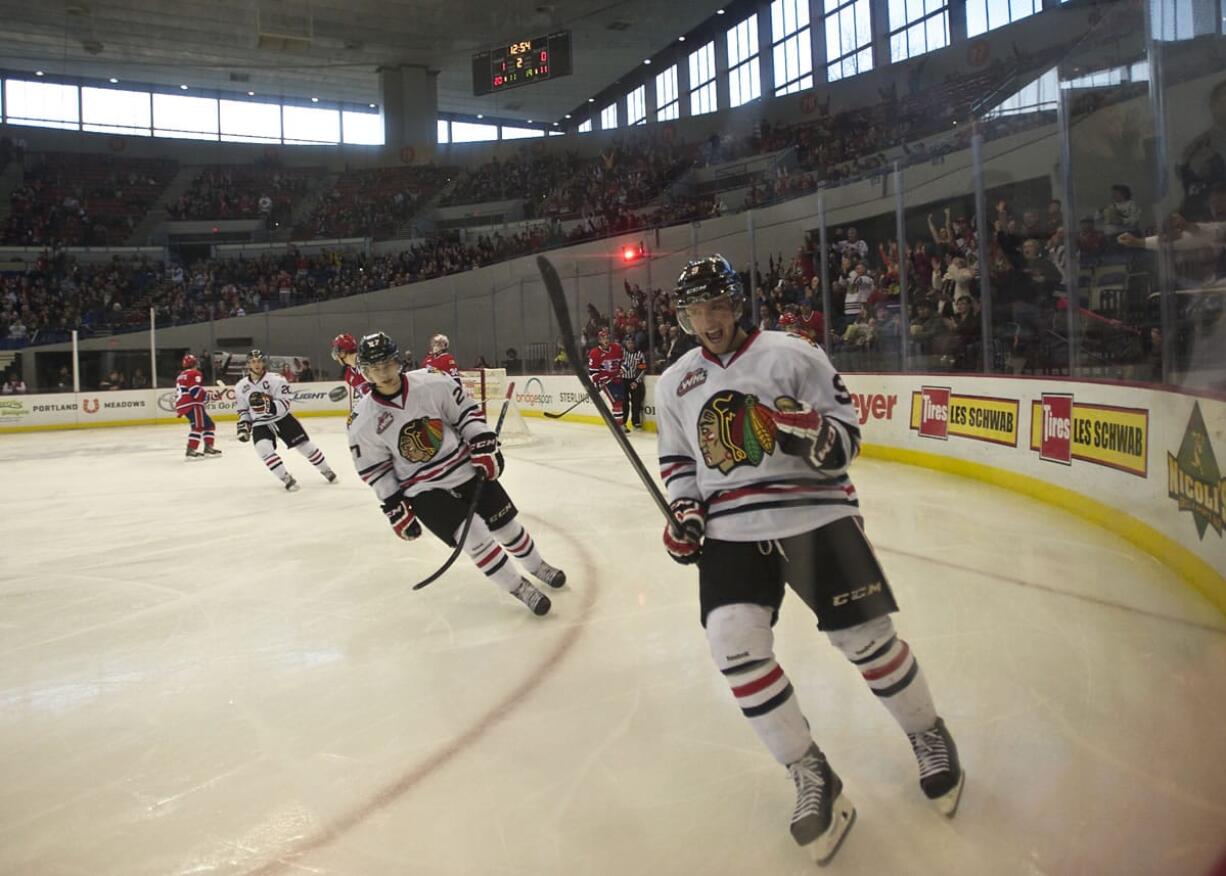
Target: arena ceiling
{"x":331,"y":49}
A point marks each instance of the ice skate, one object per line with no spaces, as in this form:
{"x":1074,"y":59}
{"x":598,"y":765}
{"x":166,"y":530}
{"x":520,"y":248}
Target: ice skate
{"x":537,"y":601}
{"x":331,"y":476}
{"x":547,"y":574}
{"x":211,"y":451}
{"x":192,"y":455}
{"x":291,"y":485}
{"x":941,"y":775}
{"x":823,"y":814}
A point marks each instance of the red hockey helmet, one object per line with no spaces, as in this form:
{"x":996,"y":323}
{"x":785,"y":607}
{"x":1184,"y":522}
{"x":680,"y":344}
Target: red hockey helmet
{"x":189,"y":361}
{"x":343,"y":345}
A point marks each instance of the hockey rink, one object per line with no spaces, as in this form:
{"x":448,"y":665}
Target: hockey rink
{"x":201,"y":673}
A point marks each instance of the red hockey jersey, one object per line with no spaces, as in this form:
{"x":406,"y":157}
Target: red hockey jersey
{"x":605,"y":364}
{"x":189,"y":391}
{"x":444,"y":363}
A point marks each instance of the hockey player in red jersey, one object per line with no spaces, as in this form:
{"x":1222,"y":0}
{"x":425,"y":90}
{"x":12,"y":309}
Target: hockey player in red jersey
{"x":439,"y":359}
{"x":756,"y":434}
{"x":345,"y":353}
{"x":604,"y":366}
{"x":191,"y":397}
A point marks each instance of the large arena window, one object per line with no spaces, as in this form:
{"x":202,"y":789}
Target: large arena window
{"x":636,"y":107}
{"x":849,"y":38}
{"x":608,"y":117}
{"x":362,"y":129}
{"x":244,"y":121}
{"x":668,"y":105}
{"x":917,"y":26}
{"x":513,"y":133}
{"x":114,"y":111}
{"x":444,"y":131}
{"x":985,"y":15}
{"x":744,"y":73}
{"x":41,"y":104}
{"x":308,"y":125}
{"x":185,"y":118}
{"x":703,"y":98}
{"x":472,"y":132}
{"x":791,"y":46}
{"x":585,"y":127}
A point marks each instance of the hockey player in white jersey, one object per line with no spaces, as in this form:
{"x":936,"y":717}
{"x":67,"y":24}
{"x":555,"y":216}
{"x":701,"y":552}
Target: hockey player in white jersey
{"x":756,"y":433}
{"x":420,"y":441}
{"x":263,"y":401}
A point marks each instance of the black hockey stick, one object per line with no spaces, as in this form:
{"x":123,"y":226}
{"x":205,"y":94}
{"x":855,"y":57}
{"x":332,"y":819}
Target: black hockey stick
{"x":472,"y":503}
{"x":551,"y":415}
{"x":557,"y":297}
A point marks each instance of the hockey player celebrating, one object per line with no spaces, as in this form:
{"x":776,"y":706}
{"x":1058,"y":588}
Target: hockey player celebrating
{"x":604,"y":366}
{"x":757,"y":431}
{"x":345,"y":353}
{"x":439,"y":359}
{"x":191,"y":399}
{"x":263,"y":400}
{"x":420,"y":442}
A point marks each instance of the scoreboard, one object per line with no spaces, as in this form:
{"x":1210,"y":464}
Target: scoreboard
{"x":522,"y":62}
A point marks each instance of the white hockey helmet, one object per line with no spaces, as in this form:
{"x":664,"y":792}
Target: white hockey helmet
{"x":439,"y":344}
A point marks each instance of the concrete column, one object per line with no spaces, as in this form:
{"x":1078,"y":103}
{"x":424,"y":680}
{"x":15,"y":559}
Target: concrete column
{"x":409,"y":97}
{"x":817,"y":39}
{"x":683,"y":82}
{"x":880,"y":10}
{"x":766,"y":56}
{"x":957,"y":21}
{"x":722,"y":93}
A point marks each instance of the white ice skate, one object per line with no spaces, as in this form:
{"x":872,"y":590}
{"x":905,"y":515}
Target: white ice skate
{"x":823,"y":813}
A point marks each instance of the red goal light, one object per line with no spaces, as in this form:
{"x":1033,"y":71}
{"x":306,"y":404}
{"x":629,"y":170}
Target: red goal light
{"x":632,"y":252}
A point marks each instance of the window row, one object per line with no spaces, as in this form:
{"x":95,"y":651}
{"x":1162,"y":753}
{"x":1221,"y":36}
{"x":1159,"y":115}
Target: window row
{"x":151,"y":114}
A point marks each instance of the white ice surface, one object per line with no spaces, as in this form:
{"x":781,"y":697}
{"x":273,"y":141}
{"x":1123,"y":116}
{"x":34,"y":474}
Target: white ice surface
{"x":200,"y":673}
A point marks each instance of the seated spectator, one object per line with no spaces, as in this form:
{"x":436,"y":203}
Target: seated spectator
{"x":1122,"y":214}
{"x":964,"y":334}
{"x":927,"y":329}
{"x":13,"y":385}
{"x":512,"y":363}
{"x":139,"y":381}
{"x":861,"y":334}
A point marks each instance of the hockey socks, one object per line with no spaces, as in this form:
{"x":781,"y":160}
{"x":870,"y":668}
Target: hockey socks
{"x":489,"y":556}
{"x":520,"y":545}
{"x":891,"y":671}
{"x":742,"y":644}
{"x":268,"y":453}
{"x":316,"y":457}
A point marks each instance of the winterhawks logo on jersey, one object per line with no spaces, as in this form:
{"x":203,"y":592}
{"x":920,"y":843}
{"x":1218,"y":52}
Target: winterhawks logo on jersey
{"x":261,"y":403}
{"x":420,"y":439}
{"x":691,"y":380}
{"x":735,"y":429}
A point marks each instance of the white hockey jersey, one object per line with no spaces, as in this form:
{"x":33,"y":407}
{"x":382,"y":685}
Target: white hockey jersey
{"x":415,"y":441}
{"x":264,"y":401}
{"x":717,"y":438}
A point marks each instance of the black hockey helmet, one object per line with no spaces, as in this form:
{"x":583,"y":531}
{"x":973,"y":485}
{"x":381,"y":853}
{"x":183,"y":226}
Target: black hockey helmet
{"x":376,"y":348}
{"x":706,"y":279}
{"x":252,"y":355}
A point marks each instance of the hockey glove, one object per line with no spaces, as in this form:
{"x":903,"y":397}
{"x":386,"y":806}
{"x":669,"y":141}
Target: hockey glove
{"x":244,"y":431}
{"x":486,"y":456}
{"x":691,"y":517}
{"x":399,"y":513}
{"x":802,"y":431}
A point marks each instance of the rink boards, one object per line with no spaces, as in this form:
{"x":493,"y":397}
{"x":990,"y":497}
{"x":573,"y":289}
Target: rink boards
{"x":1147,"y":464}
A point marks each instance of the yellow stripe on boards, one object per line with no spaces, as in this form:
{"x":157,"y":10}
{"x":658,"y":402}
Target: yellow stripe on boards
{"x":1195,"y":571}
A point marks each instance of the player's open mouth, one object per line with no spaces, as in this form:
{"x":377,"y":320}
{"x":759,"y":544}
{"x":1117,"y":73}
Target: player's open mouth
{"x":715,"y":335}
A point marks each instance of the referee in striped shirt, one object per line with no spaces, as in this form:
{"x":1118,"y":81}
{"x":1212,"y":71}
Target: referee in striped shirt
{"x":634,"y":370}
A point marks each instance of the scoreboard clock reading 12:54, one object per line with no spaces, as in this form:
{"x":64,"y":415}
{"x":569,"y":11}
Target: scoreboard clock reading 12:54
{"x":522,"y":63}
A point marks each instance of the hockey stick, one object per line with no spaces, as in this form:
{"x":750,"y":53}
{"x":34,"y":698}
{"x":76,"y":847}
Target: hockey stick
{"x":557,"y":297}
{"x":551,"y":415}
{"x":472,"y":503}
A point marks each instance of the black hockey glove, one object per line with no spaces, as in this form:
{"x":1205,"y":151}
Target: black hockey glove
{"x":244,"y":431}
{"x":486,"y":456}
{"x":692,"y":518}
{"x":802,"y":431}
{"x":399,"y":513}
